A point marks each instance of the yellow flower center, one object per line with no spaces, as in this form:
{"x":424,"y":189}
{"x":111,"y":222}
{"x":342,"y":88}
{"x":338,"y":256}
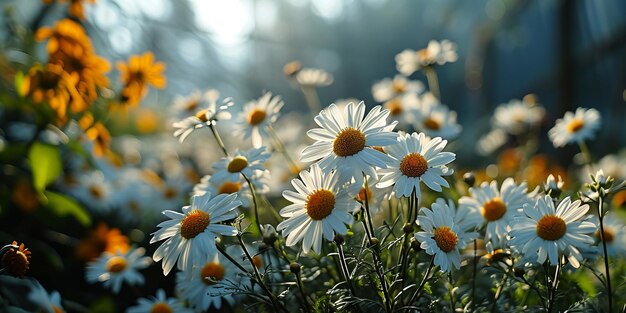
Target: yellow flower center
{"x":608,"y":235}
{"x":96,"y":191}
{"x":229,"y":187}
{"x":493,"y":209}
{"x":394,"y":106}
{"x":191,"y":105}
{"x":320,"y":204}
{"x":551,"y":227}
{"x":575,"y":125}
{"x":349,"y":141}
{"x":211,"y":273}
{"x":413,"y":165}
{"x":116,"y":264}
{"x":201,"y":115}
{"x":445,"y":238}
{"x":399,"y":86}
{"x":194,"y":223}
{"x":431,"y":124}
{"x":161,"y":307}
{"x":170,"y":193}
{"x":256,"y":117}
{"x":258,"y":261}
{"x":365,"y":193}
{"x":57,"y":309}
{"x":237,"y":164}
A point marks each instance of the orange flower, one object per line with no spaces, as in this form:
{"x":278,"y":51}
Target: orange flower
{"x":141,"y":71}
{"x":66,"y":36}
{"x":76,"y":7}
{"x":16,"y":262}
{"x":54,"y":86}
{"x":99,"y":240}
{"x":101,"y":138}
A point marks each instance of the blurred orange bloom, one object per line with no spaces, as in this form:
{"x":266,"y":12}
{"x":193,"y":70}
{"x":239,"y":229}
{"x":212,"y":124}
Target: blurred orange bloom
{"x":99,"y":240}
{"x":137,"y":74}
{"x":101,"y":138}
{"x":76,"y":6}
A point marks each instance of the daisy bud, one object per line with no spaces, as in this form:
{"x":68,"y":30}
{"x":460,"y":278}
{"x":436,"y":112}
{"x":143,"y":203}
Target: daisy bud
{"x":374,"y":242}
{"x":407,"y":228}
{"x":553,"y":186}
{"x":519,"y":272}
{"x":16,"y":259}
{"x":295,"y":267}
{"x":469,"y":178}
{"x":338,"y":239}
{"x":269,"y":234}
{"x":415,"y":245}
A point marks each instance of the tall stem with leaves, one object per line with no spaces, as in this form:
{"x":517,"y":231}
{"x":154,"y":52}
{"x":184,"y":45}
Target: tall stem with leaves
{"x":604,"y":249}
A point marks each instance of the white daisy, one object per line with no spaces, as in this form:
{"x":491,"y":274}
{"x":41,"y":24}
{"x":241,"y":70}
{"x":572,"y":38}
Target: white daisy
{"x":403,"y":108}
{"x":44,"y":301}
{"x":257,"y":116}
{"x":496,"y":207}
{"x":94,"y":191}
{"x":375,"y":195}
{"x":209,"y":283}
{"x":435,"y":119}
{"x":205,"y":116}
{"x":490,"y":142}
{"x":551,"y":232}
{"x":553,"y":186}
{"x":174,"y":190}
{"x":158,"y":304}
{"x":614,"y":235}
{"x":191,"y":234}
{"x":345,"y":141}
{"x":441,"y":236}
{"x":313,"y":77}
{"x":184,"y":106}
{"x":321,"y":206}
{"x":518,"y":117}
{"x":388,"y":88}
{"x":410,"y":61}
{"x":231,"y":168}
{"x":240,"y":188}
{"x":113,"y":269}
{"x":575,"y":127}
{"x":416,"y":159}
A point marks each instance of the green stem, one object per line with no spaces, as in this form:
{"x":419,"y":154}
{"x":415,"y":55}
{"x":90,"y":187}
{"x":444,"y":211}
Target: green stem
{"x":433,"y":81}
{"x":474,"y":270}
{"x":280,"y":147}
{"x":422,"y":283}
{"x":499,"y":292}
{"x":220,"y":143}
{"x":586,"y":155}
{"x":254,"y":201}
{"x":344,"y":269}
{"x":302,"y":293}
{"x":312,"y":99}
{"x":604,"y":249}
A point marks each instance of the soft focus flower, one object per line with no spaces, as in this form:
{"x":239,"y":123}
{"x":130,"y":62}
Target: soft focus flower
{"x":552,"y":232}
{"x":614,"y":234}
{"x":101,"y":239}
{"x":95,"y":191}
{"x":518,"y":117}
{"x":76,"y":7}
{"x":141,"y":71}
{"x":553,"y":186}
{"x":44,"y":301}
{"x":158,"y":304}
{"x":232,"y":167}
{"x":190,"y":235}
{"x":575,"y":127}
{"x":496,"y":207}
{"x":113,"y":269}
{"x":403,"y":108}
{"x":388,"y":88}
{"x":416,"y":159}
{"x":201,"y":116}
{"x":257,"y":116}
{"x":346,"y":140}
{"x":435,"y":119}
{"x":313,"y":77}
{"x":442,"y":236}
{"x":209,"y":283}
{"x":321,"y":206}
{"x":437,"y":52}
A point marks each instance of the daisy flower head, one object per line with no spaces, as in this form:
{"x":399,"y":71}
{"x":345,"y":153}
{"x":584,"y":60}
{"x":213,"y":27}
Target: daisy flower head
{"x":232,"y":167}
{"x":389,"y":88}
{"x":257,"y":116}
{"x":575,"y":127}
{"x":203,"y":116}
{"x":44,"y":301}
{"x":321,"y":207}
{"x":435,"y":119}
{"x":437,"y":52}
{"x":346,"y":140}
{"x":241,"y":188}
{"x":403,"y":108}
{"x":495,"y":207}
{"x":190,"y":236}
{"x":416,"y":158}
{"x":209,"y":283}
{"x":375,"y":196}
{"x":614,"y":234}
{"x":518,"y":117}
{"x":441,"y":236}
{"x":313,"y":77}
{"x":553,"y":232}
{"x":113,"y":269}
{"x":15,"y":261}
{"x":159,"y":304}
{"x":95,"y":191}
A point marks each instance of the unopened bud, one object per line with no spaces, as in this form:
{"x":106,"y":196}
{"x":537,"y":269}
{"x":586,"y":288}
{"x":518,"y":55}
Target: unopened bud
{"x":469,"y":178}
{"x":338,"y":239}
{"x":295,"y":267}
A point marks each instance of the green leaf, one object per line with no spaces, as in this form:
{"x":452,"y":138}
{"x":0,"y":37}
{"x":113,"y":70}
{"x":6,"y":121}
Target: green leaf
{"x":62,"y":205}
{"x":19,"y":83}
{"x":45,"y":162}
